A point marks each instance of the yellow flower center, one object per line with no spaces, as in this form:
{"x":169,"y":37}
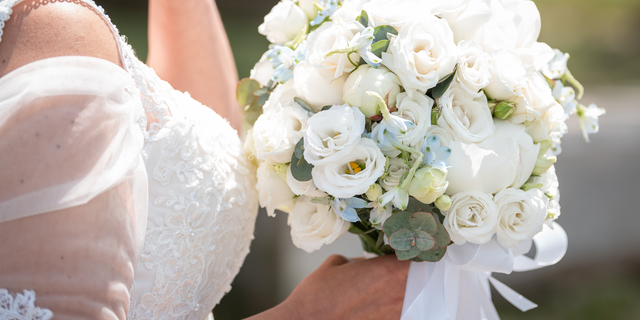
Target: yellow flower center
{"x":353,"y":168}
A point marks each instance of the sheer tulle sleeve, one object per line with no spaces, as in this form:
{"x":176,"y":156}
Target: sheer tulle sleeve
{"x":73,"y":187}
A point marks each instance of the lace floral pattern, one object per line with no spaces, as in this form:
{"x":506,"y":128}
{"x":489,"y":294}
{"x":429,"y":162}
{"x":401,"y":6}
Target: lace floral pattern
{"x":21,"y":307}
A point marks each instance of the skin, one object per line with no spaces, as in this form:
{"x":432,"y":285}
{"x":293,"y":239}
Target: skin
{"x":58,"y":257}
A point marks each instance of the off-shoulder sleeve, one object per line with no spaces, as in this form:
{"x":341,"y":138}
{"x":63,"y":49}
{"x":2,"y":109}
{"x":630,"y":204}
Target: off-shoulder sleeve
{"x":73,"y":185}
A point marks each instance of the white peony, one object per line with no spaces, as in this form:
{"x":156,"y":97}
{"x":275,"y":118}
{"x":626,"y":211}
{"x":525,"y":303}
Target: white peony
{"x":365,"y":79}
{"x":422,"y":54}
{"x":330,"y":36}
{"x":474,"y":66}
{"x":274,"y":193}
{"x":521,"y":215}
{"x":278,"y":129}
{"x":314,"y":88}
{"x":314,"y":224}
{"x":339,"y":180}
{"x":284,"y":22}
{"x":416,"y":109}
{"x":473,"y":217}
{"x":397,"y":168}
{"x":465,"y":115}
{"x":504,"y":160}
{"x":262,"y":71}
{"x":332,"y":134}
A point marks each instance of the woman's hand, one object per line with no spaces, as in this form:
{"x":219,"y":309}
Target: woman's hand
{"x":188,"y":48}
{"x":363,"y":289}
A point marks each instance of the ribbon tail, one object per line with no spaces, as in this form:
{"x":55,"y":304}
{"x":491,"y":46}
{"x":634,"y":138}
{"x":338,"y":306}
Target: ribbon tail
{"x":512,"y":296}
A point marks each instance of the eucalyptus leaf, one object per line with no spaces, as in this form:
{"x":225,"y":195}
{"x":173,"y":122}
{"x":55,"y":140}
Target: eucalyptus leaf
{"x":300,"y":168}
{"x":432,"y":256}
{"x":441,"y":237}
{"x":326,"y":108}
{"x":407,"y":255}
{"x":379,"y":47}
{"x":298,"y":151}
{"x":403,"y":240}
{"x":245,"y":91}
{"x":424,"y":241}
{"x":304,"y":105}
{"x":262,"y":99}
{"x":381,"y":32}
{"x":363,"y":18}
{"x":252,"y":112}
{"x":442,"y":87}
{"x":423,"y":221}
{"x":415,"y":205}
{"x":396,"y":222}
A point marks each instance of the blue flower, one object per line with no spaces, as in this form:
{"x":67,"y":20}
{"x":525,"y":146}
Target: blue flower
{"x":284,"y":60}
{"x":329,"y":7}
{"x":434,"y":154}
{"x":346,"y":208}
{"x":361,"y":43}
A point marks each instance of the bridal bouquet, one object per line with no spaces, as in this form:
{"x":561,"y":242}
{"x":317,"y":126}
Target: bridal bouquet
{"x":420,"y":125}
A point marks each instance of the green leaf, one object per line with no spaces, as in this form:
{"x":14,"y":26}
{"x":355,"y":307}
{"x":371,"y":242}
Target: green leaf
{"x":298,"y":151}
{"x":442,"y":87}
{"x":300,"y":168}
{"x":262,"y":99}
{"x":363,"y":18}
{"x":403,"y":240}
{"x":245,"y":91}
{"x":326,"y":108}
{"x":432,"y":256}
{"x":252,"y":112}
{"x":379,"y":47}
{"x":406,"y":255}
{"x":396,"y":222}
{"x":424,"y":241}
{"x":441,"y":237}
{"x":304,"y":105}
{"x":415,"y":205}
{"x":423,"y":221}
{"x":380,"y":32}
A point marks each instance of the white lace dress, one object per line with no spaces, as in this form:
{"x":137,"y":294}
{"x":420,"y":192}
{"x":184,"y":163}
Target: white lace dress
{"x":192,"y":188}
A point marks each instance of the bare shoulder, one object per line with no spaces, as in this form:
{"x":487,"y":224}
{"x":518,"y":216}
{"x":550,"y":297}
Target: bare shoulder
{"x":40,"y":29}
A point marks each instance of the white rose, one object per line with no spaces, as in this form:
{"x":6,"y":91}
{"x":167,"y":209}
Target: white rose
{"x":314,"y":224}
{"x":262,"y":71}
{"x":332,"y":134}
{"x":283,"y":23}
{"x":553,"y":121}
{"x":428,"y":184}
{"x":336,"y":178}
{"x":465,"y":115}
{"x":306,"y":188}
{"x":474,"y":66}
{"x":507,"y":75}
{"x":534,"y":98}
{"x":416,"y":109}
{"x":473,"y":217}
{"x":274,"y":193}
{"x":278,"y":129}
{"x":379,"y":80}
{"x":315,"y":89}
{"x":422,"y":54}
{"x":330,"y":36}
{"x":504,"y":160}
{"x":396,"y":12}
{"x":397,"y":168}
{"x":521,"y":215}
{"x":464,"y":17}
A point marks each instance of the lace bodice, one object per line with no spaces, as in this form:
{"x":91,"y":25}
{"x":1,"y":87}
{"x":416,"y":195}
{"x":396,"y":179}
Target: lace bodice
{"x":202,"y":202}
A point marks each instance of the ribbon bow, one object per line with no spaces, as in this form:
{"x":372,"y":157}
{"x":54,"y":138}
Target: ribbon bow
{"x":457,"y":287}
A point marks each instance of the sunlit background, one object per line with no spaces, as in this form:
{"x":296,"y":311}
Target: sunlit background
{"x":599,"y":278}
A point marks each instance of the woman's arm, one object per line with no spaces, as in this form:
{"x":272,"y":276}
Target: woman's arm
{"x":188,"y":47}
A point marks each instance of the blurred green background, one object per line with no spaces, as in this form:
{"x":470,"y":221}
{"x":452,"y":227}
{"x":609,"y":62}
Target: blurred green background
{"x":594,"y":281}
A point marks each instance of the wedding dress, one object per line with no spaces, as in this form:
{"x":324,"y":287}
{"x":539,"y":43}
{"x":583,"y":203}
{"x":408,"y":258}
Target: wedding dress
{"x":192,"y":189}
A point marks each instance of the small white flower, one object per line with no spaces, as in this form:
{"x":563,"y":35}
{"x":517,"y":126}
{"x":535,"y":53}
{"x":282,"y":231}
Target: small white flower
{"x":283,"y":23}
{"x":392,"y":178}
{"x":521,"y":215}
{"x":589,"y":119}
{"x":557,"y":67}
{"x":473,"y":217}
{"x":314,"y":224}
{"x":353,"y":173}
{"x":274,"y":193}
{"x":379,"y":214}
{"x":332,"y":134}
{"x":566,"y":97}
{"x":262,"y":71}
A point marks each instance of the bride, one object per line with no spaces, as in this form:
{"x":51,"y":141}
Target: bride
{"x":122,"y":198}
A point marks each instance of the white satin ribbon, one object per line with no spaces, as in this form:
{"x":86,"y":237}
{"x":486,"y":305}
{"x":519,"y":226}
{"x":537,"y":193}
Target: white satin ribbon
{"x":457,"y":287}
